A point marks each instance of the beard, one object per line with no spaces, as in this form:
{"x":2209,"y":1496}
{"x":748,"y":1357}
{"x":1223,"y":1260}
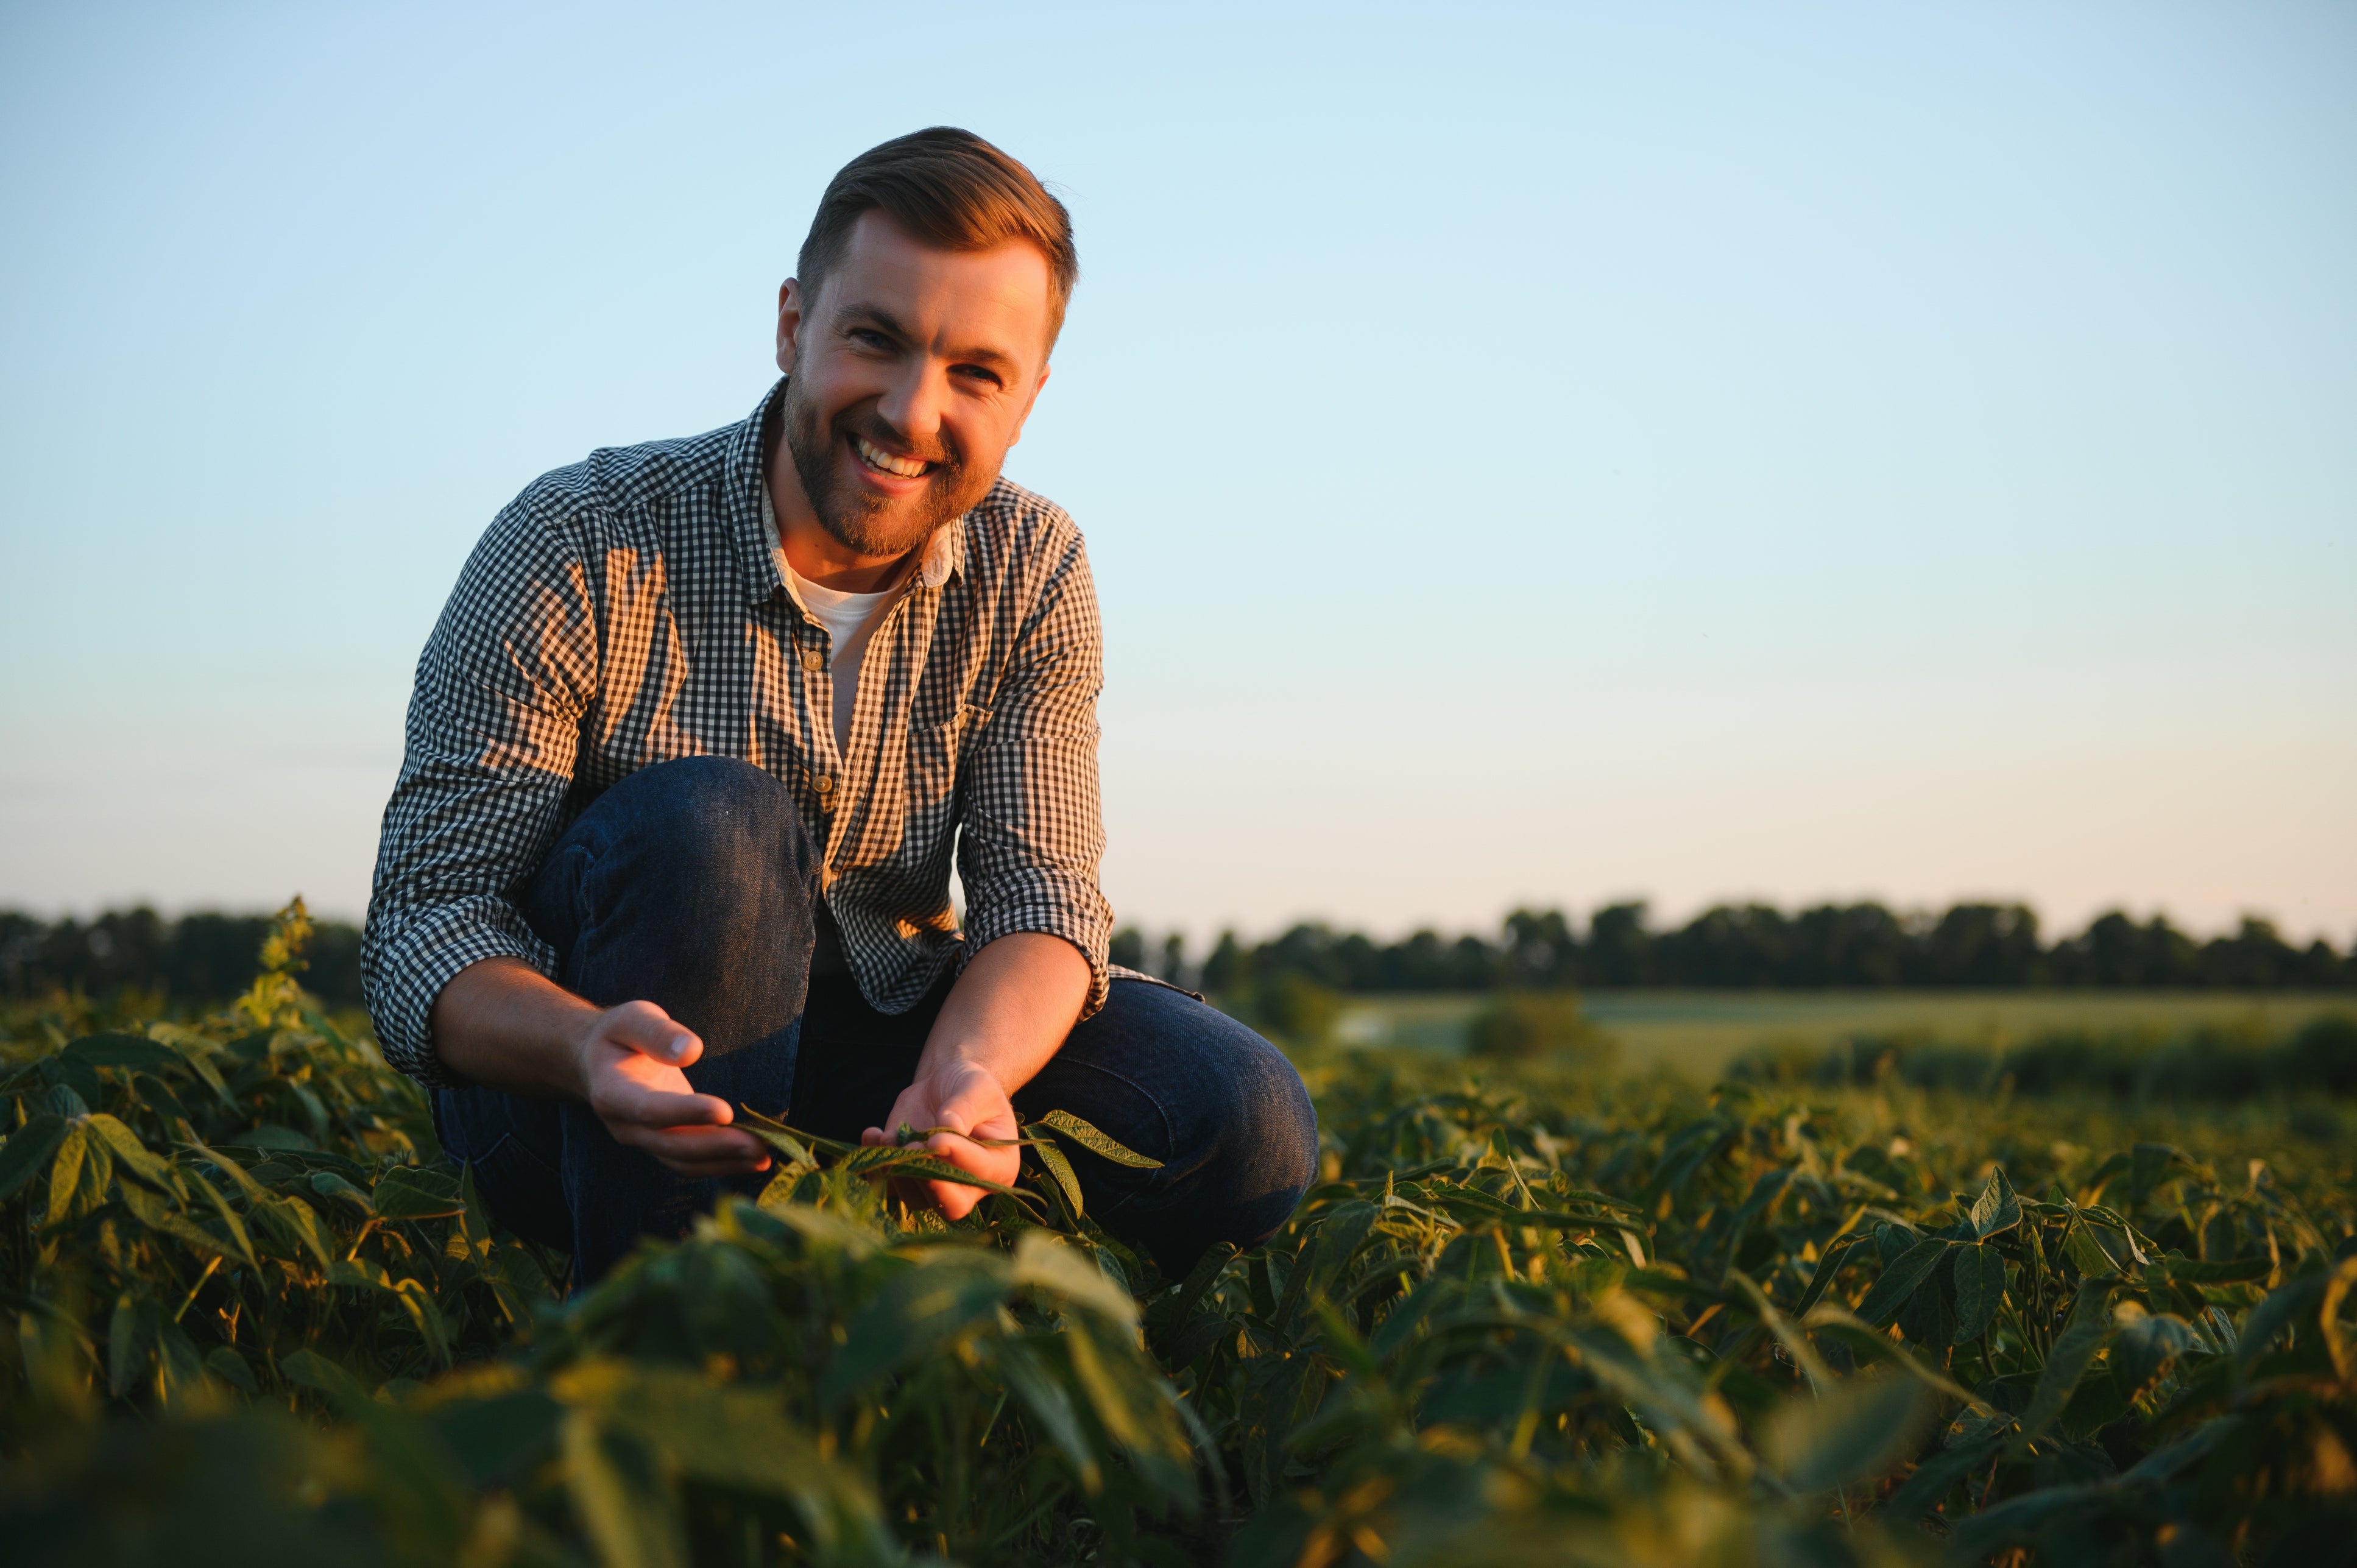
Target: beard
{"x":872,"y":526}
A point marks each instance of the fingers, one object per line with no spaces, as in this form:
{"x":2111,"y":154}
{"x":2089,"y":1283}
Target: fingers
{"x":622,"y":1097}
{"x":698,"y":1152}
{"x":649,"y":1030}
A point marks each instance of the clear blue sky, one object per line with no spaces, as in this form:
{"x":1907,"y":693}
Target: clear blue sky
{"x":1542,"y":454}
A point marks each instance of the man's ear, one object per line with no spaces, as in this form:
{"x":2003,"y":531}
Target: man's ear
{"x":790,"y":324}
{"x":1029,"y":404}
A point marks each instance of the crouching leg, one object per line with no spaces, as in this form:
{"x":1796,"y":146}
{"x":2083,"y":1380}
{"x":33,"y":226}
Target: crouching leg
{"x":1183,"y":1083}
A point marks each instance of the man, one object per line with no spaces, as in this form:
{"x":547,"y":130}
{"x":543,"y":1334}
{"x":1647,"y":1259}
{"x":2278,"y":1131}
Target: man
{"x":697,"y":736}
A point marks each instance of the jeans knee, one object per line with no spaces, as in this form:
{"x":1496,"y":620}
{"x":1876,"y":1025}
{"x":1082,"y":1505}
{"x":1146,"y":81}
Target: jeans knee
{"x":706,"y":814}
{"x":1270,"y":1131}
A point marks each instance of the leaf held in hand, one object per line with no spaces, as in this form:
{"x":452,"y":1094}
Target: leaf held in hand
{"x":1096,"y":1142}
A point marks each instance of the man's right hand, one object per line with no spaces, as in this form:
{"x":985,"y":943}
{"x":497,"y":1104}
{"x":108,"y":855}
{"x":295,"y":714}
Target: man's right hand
{"x":630,"y":1063}
{"x":503,"y":1024}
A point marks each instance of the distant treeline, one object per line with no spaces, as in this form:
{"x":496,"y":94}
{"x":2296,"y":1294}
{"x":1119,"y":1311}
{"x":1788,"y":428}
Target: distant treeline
{"x":197,"y":958}
{"x":1757,"y":947}
{"x":2210,"y":1064}
{"x":207,"y":957}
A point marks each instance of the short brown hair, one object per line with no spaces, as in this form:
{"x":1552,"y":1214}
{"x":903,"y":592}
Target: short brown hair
{"x":952,"y":190}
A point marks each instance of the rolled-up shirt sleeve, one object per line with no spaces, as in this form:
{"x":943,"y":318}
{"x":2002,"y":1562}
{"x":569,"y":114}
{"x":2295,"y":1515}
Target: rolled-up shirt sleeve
{"x":1033,"y":830}
{"x":494,"y":722}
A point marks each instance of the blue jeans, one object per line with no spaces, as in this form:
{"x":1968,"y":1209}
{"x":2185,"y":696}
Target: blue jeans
{"x":693,"y":884}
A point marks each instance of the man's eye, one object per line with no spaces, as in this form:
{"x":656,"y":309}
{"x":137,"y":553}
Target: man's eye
{"x":869,"y":337}
{"x":980,"y":375}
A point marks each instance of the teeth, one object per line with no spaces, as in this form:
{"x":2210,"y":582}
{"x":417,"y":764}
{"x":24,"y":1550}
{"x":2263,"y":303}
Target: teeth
{"x":877,"y":458}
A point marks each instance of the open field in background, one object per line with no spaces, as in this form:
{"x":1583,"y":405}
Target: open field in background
{"x":1699,"y":1033}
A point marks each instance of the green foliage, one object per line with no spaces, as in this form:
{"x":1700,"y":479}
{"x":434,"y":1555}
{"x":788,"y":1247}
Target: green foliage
{"x":1525,"y":1026}
{"x":1296,"y":1011}
{"x":1531,"y":1319}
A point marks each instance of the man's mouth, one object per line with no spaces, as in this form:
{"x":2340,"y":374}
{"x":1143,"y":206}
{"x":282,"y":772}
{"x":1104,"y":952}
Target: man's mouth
{"x":884,"y":462}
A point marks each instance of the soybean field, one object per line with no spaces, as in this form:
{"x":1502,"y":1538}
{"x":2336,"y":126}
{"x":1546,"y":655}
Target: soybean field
{"x":1526,"y":1316}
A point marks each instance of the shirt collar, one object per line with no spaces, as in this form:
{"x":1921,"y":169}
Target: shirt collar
{"x":753,"y":521}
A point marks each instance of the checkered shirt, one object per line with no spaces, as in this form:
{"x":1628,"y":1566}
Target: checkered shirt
{"x":628,"y":609}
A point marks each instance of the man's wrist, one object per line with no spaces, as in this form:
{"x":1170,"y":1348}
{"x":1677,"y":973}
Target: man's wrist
{"x":580,"y":1035}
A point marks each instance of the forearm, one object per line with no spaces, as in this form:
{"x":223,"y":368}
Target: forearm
{"x":503,"y":1024}
{"x":1011,"y":1010}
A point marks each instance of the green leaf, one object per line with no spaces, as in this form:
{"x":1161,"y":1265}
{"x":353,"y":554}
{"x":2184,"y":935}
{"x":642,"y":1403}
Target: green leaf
{"x":415,"y":1192}
{"x":2099,"y":1250}
{"x":126,"y":1147}
{"x":1929,"y":1319}
{"x":309,"y":1369}
{"x":230,"y":1217}
{"x":229,"y":1367}
{"x":1177,"y":1307}
{"x":1937,"y":1477}
{"x":1900,"y":1280}
{"x":914,"y":1163}
{"x":1998,"y":1209}
{"x":1045,"y":1263}
{"x":1874,"y":1344}
{"x":296,"y":1219}
{"x":28,"y":1150}
{"x":1096,"y":1142}
{"x":1859,"y":1430}
{"x":2294,"y":1303}
{"x":777,"y":1135}
{"x":327,"y":1183}
{"x":1067,"y":1178}
{"x":160,"y":1213}
{"x":1130,"y":1398}
{"x":2148,"y":1343}
{"x":1828,"y":1266}
{"x":1796,"y":1343}
{"x":1045,"y":1390}
{"x":65,"y":1172}
{"x":2086,"y":1333}
{"x":739,"y":1438}
{"x":1980,"y":1286}
{"x":2234,"y":1270}
{"x":253,"y":1190}
{"x":625,"y":1504}
{"x":121,"y":1050}
{"x":2151,"y":1164}
{"x":947,"y":1291}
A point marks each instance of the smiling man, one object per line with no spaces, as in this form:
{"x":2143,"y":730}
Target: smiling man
{"x":699,"y":733}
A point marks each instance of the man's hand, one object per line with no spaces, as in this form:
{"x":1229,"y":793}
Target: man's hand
{"x":630,"y":1066}
{"x":964,"y":1097}
{"x":503,"y":1024}
{"x":1002,"y":1021}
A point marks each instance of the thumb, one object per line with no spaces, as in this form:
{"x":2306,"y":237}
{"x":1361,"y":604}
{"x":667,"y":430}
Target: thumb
{"x":975,"y":1104}
{"x":649,"y":1030}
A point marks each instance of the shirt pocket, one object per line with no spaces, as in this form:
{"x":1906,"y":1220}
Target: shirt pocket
{"x":935,"y":753}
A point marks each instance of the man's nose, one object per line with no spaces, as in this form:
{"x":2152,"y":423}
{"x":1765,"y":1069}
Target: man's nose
{"x":914,"y":405}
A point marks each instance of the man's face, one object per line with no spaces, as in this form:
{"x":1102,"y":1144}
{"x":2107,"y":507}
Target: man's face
{"x":912,"y":371}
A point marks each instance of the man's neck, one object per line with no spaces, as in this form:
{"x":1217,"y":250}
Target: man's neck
{"x":816,"y":555}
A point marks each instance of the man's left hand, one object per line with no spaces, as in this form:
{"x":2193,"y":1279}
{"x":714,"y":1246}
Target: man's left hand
{"x":964,"y":1098}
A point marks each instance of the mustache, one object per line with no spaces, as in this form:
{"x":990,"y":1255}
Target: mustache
{"x":883,"y":433}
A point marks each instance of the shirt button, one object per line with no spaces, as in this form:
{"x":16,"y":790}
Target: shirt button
{"x":811,"y":660}
{"x":823,"y":783}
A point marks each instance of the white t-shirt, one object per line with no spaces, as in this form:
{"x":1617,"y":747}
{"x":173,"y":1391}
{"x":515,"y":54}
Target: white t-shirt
{"x":850,"y":621}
